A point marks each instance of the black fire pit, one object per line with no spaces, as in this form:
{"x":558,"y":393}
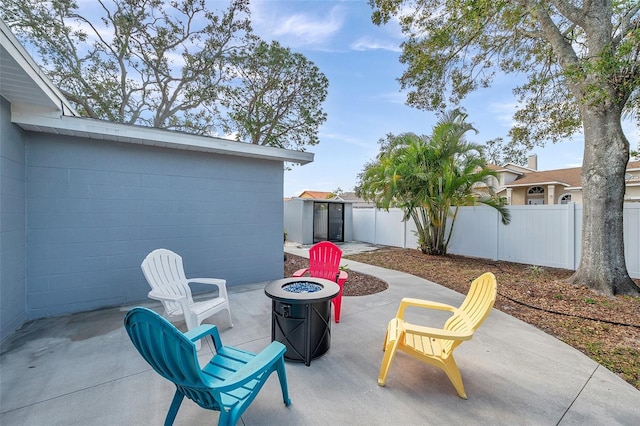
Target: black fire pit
{"x":301,"y":316}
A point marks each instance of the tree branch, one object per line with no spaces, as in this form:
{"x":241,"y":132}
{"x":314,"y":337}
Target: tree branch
{"x":572,"y":13}
{"x":626,"y":24}
{"x":562,"y":47}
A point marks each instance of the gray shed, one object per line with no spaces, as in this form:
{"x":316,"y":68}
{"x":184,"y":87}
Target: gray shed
{"x":308,"y":221}
{"x":83,"y":201}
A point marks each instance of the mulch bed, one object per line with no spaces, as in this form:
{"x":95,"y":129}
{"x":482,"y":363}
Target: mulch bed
{"x":607,"y":329}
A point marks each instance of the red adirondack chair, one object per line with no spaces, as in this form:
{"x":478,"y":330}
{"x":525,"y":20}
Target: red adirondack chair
{"x":324,"y":262}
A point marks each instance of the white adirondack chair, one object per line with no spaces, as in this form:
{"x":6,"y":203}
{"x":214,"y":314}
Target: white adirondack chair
{"x":164,"y":272}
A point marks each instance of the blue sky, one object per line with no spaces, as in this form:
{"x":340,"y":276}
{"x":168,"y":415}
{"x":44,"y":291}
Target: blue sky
{"x":364,"y":102}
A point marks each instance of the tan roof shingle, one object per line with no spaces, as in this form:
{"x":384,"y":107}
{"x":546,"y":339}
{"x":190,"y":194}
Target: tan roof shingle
{"x":317,"y":195}
{"x":567,"y":177}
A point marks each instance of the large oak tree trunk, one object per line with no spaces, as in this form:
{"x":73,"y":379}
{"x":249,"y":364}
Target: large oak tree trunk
{"x":602,"y":265}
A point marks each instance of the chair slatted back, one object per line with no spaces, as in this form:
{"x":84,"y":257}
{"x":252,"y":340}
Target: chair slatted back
{"x":228,"y":383}
{"x":170,"y":354}
{"x":164,"y":272}
{"x":476,"y":306}
{"x":324,"y":260}
{"x":164,"y":347}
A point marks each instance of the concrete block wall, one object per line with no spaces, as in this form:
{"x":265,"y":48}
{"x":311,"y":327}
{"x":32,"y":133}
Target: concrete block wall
{"x":12,"y":224}
{"x":95,"y":209}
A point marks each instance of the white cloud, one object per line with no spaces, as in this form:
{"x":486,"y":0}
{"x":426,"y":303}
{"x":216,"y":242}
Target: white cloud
{"x":347,"y":139}
{"x":308,"y":28}
{"x":503,"y":112}
{"x":392,"y":97}
{"x":366,"y":43}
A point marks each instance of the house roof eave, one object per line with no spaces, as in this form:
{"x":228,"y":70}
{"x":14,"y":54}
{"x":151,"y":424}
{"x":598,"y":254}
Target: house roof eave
{"x":38,"y":106}
{"x":502,"y":169}
{"x":536,"y":184}
{"x":326,"y":200}
{"x":118,"y":132}
{"x":518,"y":166}
{"x":22,"y":82}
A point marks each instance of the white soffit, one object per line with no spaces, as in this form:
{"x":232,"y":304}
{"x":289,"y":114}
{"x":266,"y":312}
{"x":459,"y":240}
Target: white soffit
{"x":21,"y":80}
{"x":116,"y":132}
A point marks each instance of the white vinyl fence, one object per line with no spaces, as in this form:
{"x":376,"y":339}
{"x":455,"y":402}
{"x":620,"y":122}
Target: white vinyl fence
{"x":546,"y":235}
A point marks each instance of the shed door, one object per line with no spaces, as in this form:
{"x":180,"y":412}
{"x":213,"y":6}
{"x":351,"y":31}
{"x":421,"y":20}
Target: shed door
{"x":328,"y":222}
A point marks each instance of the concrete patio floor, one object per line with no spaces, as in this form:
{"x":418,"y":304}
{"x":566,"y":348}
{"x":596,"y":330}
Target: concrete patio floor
{"x":82,"y":370}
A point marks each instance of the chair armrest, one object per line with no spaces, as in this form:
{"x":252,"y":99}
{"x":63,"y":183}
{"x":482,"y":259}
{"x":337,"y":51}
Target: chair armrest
{"x":419,"y":303}
{"x":220,"y":283}
{"x":204,"y":331}
{"x":300,"y":272}
{"x":157,"y":295}
{"x":267,"y":357}
{"x":212,"y":281}
{"x":437,"y":333}
{"x":343,"y":276}
{"x":177,"y":298}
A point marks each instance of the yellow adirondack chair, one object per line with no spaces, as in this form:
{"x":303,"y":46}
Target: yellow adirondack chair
{"x":435,"y":346}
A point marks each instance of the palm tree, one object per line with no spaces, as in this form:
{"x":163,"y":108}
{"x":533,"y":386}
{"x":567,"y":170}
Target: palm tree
{"x":429,"y":178}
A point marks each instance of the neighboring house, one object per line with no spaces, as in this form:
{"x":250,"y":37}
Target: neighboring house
{"x":527,"y":186}
{"x":346,"y":196}
{"x":83,"y":201}
{"x":318,"y":195}
{"x":354,"y":199}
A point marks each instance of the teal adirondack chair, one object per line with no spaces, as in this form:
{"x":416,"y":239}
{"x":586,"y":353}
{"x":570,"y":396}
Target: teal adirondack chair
{"x":228,"y":383}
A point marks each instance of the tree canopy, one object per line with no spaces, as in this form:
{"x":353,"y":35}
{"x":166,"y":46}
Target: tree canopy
{"x":580,"y":58}
{"x":564,"y":47}
{"x":170,"y":65}
{"x":497,"y":151}
{"x":277,"y":99}
{"x":429,"y":177}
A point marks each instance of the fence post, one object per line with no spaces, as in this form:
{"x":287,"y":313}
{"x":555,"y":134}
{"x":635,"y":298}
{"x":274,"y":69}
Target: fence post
{"x":404,"y":233}
{"x":375,"y":225}
{"x":571,"y":237}
{"x":496,"y":254}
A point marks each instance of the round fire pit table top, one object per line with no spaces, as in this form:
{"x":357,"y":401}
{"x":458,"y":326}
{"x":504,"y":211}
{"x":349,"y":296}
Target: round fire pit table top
{"x":302,"y":289}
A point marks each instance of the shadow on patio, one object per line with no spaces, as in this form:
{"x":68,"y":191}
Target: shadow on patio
{"x":82,"y":369}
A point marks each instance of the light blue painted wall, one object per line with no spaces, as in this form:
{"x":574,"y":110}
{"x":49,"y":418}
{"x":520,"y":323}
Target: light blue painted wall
{"x":294,"y":220}
{"x":95,"y":209}
{"x":298,"y":220}
{"x":12,"y":224}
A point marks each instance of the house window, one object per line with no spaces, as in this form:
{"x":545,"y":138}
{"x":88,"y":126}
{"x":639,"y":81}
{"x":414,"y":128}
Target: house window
{"x":535,"y":195}
{"x":564,"y":199}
